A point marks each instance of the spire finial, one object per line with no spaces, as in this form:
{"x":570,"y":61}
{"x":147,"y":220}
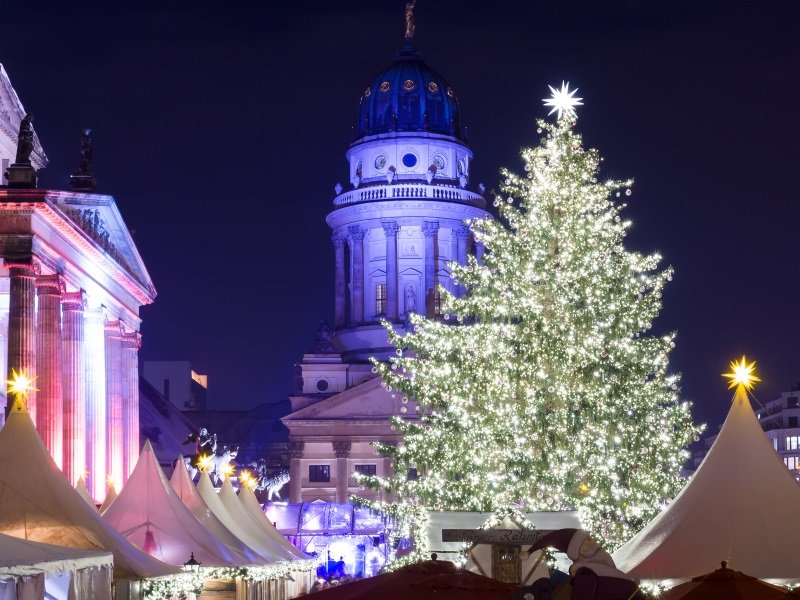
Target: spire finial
{"x":410,"y":20}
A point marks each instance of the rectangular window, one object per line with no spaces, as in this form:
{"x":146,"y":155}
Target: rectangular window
{"x":775,"y":442}
{"x":380,"y":299}
{"x":792,"y":421}
{"x":437,"y":303}
{"x":792,"y":403}
{"x":792,"y":462}
{"x":792,"y":442}
{"x":319,"y":473}
{"x":366,"y":469}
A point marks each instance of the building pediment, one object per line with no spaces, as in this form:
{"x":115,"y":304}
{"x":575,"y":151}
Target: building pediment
{"x":97,"y":216}
{"x":11,"y":114}
{"x":368,"y":400}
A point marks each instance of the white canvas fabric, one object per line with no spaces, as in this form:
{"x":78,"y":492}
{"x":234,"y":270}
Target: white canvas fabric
{"x":23,"y":557}
{"x":234,"y":522}
{"x":740,"y":506}
{"x":252,"y":509}
{"x":185,"y":490}
{"x":80,"y":487}
{"x":110,"y":497}
{"x":149,"y":513}
{"x":38,"y":503}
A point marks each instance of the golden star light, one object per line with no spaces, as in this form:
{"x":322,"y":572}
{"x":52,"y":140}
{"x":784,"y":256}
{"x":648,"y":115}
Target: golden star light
{"x":563,"y":100}
{"x":742,"y":374}
{"x":204,"y":462}
{"x":20,"y":384}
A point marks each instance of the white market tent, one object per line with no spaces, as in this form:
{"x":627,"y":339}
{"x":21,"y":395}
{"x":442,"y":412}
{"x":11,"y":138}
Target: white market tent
{"x":149,"y":513}
{"x":33,"y":569}
{"x":38,"y":503}
{"x":233,"y":522}
{"x":80,"y":487}
{"x":110,"y":497}
{"x":185,"y":490}
{"x":740,"y":506}
{"x":250,"y":506}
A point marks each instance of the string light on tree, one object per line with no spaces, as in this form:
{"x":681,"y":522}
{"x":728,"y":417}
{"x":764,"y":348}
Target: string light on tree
{"x":550,"y":393}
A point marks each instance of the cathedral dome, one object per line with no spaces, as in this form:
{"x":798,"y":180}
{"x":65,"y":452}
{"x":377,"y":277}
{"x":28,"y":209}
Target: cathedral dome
{"x":408,"y":96}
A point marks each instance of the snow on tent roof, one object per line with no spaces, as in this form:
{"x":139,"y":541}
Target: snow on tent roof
{"x":740,"y":506}
{"x":149,"y":513}
{"x":23,"y":557}
{"x":38,"y":503}
{"x":185,"y":490}
{"x":243,"y":532}
{"x":252,"y":509}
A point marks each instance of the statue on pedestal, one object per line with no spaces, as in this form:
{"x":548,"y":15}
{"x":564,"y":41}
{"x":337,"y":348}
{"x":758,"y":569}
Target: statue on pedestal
{"x":82,"y":179}
{"x":21,"y":173}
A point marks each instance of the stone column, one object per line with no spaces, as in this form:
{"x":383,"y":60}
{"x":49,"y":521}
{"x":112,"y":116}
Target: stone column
{"x":94,"y":356}
{"x":463,"y":235}
{"x":295,"y":472}
{"x":114,"y":447}
{"x":73,"y":376}
{"x":479,"y":251}
{"x":390,"y":228}
{"x":430,"y":231}
{"x":50,"y":397}
{"x":342,"y":452}
{"x":339,"y":282}
{"x":357,"y":280}
{"x":131,"y":342}
{"x":22,"y":324}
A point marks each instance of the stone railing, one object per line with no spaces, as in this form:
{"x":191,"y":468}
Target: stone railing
{"x":403,"y":191}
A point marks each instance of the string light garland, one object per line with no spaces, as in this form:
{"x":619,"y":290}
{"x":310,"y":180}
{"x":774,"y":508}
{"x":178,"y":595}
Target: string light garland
{"x":548,"y":393}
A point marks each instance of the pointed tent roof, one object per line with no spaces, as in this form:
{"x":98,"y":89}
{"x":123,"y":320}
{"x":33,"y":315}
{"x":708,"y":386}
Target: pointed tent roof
{"x":739,"y":507}
{"x":110,"y":497}
{"x":235,"y":524}
{"x":250,"y":506}
{"x":149,"y":513}
{"x":80,"y":487}
{"x":38,"y":503}
{"x":185,"y":490}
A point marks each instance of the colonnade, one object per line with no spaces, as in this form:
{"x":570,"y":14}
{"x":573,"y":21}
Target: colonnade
{"x":353,"y":239}
{"x":86,"y":407}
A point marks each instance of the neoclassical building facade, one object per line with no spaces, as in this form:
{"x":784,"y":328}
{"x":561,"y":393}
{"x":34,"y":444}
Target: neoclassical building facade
{"x":394,"y":234}
{"x":71,"y":285}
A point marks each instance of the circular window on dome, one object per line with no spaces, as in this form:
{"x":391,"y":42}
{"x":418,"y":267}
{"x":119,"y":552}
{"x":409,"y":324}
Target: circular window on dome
{"x":433,"y":87}
{"x":367,"y":92}
{"x":409,"y":85}
{"x":409,"y":159}
{"x":450,"y":92}
{"x":385,"y":86}
{"x":438,"y":162}
{"x":322,"y":385}
{"x":380,"y":161}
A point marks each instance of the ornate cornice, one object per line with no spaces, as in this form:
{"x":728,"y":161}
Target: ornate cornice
{"x":74,"y":301}
{"x":429,"y":228}
{"x":390,"y":228}
{"x":356,"y":233}
{"x":52,"y":285}
{"x":296,"y":449}
{"x":342,"y":449}
{"x":463,"y":232}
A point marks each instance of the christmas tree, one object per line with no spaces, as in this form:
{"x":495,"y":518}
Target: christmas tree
{"x":541,"y":388}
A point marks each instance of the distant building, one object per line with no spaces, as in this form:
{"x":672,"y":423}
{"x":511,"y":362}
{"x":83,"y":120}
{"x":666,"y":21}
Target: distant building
{"x":780,"y":419}
{"x":178,"y":383}
{"x":394,"y":234}
{"x":71,"y":286}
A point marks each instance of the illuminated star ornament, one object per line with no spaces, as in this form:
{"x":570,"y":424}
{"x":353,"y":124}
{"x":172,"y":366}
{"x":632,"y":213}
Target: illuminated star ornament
{"x":20,"y":385}
{"x":742,"y":374}
{"x":563,"y":101}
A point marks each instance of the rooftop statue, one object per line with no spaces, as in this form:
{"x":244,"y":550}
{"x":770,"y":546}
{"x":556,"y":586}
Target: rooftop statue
{"x":25,"y":140}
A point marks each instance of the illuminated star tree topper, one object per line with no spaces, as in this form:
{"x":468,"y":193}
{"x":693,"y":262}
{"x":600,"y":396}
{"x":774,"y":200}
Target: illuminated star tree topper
{"x":742,"y":374}
{"x":562,"y":101}
{"x":20,"y":385}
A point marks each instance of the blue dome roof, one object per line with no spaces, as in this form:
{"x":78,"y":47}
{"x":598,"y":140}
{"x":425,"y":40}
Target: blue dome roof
{"x":408,"y":96}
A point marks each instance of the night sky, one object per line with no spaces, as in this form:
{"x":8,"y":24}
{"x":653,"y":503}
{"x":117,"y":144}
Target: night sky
{"x":221,"y":128}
